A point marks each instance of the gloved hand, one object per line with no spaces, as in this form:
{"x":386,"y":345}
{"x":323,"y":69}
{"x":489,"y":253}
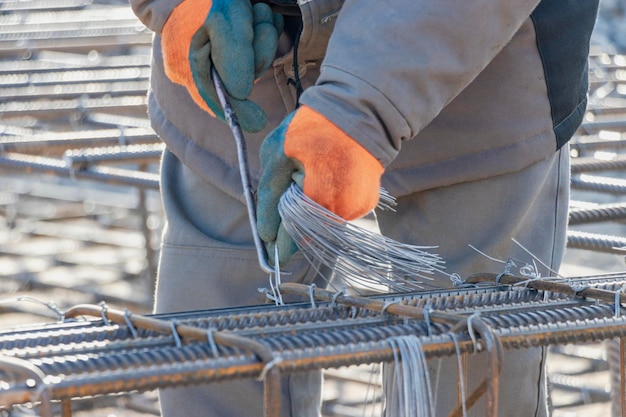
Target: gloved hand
{"x":339,"y":174}
{"x":239,"y":39}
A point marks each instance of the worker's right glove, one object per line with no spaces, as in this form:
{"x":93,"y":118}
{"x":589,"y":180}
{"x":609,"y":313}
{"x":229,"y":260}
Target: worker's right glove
{"x":236,"y":37}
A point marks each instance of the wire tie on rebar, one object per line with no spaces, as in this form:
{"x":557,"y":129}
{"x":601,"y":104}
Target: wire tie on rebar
{"x":386,"y":305}
{"x":618,"y":304}
{"x":577,"y":288}
{"x":456,"y":279}
{"x":175,"y":334}
{"x":499,"y":277}
{"x":336,"y":295}
{"x":103,"y":313}
{"x":268,"y":367}
{"x":530,"y":271}
{"x":212,"y":343}
{"x":472,"y":334}
{"x":311,"y":296}
{"x":129,"y":323}
{"x":429,"y":330}
{"x":510,"y":263}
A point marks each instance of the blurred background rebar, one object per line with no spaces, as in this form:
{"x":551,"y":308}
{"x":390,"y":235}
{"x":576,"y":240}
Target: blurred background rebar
{"x":80,"y":215}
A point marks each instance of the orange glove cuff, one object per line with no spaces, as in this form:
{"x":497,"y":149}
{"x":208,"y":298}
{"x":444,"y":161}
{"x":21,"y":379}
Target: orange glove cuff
{"x":178,"y":31}
{"x":339,"y":173}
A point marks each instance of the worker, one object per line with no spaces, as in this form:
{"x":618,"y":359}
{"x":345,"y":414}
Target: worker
{"x":462,"y":110}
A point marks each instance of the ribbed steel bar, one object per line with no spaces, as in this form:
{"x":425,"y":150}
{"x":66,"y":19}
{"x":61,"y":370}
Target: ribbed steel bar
{"x":108,"y":175}
{"x":76,"y":90}
{"x":144,"y":352}
{"x":81,"y":158}
{"x":43,"y":109}
{"x":15,"y":5}
{"x":69,"y":76}
{"x":599,"y":213}
{"x":38,"y":142}
{"x":596,"y":126}
{"x":549,"y":285}
{"x":595,"y":242}
{"x":588,"y":164}
{"x":77,"y":43}
{"x":591,"y":144}
{"x":595,"y":183}
{"x":50,"y":61}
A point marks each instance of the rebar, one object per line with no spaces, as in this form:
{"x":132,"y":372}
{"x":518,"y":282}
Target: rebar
{"x":116,"y":351}
{"x":105,"y":174}
{"x":610,"y":185}
{"x":596,"y":242}
{"x":599,"y":213}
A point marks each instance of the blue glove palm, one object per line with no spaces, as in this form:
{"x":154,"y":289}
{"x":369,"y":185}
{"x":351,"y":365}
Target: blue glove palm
{"x":236,"y":37}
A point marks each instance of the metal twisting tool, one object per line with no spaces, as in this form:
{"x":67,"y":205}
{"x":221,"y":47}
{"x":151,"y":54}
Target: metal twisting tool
{"x":244,"y":170}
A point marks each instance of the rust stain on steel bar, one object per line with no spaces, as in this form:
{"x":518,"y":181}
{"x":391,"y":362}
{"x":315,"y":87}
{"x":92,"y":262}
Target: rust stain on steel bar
{"x":265,"y":354}
{"x":371,"y":304}
{"x":544,"y":285}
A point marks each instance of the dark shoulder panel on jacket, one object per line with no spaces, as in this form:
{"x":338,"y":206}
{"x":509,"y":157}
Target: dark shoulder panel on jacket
{"x":563,"y":29}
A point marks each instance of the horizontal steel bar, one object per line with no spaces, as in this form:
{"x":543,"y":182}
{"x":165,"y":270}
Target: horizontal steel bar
{"x":203,"y":367}
{"x":592,"y":164}
{"x":595,"y":242}
{"x":57,"y":108}
{"x":610,"y":185}
{"x":597,"y":214}
{"x":37,"y":142}
{"x":82,"y":158}
{"x":119,"y":176}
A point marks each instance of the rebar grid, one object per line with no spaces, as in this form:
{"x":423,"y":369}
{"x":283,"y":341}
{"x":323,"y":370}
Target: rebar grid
{"x":96,"y":350}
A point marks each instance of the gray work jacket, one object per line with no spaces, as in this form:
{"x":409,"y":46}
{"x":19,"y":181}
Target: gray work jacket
{"x":441,"y":92}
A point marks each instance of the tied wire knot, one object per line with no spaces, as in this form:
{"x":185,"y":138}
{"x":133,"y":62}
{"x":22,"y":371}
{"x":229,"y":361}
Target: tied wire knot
{"x":386,"y":306}
{"x":577,"y":288}
{"x":618,"y":304}
{"x":268,"y":367}
{"x":129,"y":323}
{"x":212,"y":343}
{"x":427,"y":310}
{"x":103,"y":313}
{"x":312,"y":295}
{"x":175,"y":334}
{"x":337,"y":295}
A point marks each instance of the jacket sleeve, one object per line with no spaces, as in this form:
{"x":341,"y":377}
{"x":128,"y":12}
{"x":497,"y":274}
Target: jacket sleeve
{"x":153,"y":13}
{"x":392,"y":66}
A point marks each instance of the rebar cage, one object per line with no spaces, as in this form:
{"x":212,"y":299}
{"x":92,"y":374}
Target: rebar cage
{"x":94,"y":350}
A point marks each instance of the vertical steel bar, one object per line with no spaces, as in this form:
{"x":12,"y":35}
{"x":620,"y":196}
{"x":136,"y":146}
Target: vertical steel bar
{"x":66,"y":408}
{"x":622,"y":360}
{"x":272,"y":393}
{"x":147,"y":233}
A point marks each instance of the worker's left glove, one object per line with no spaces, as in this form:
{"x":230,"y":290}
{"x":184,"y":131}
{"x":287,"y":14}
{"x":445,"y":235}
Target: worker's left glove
{"x":339,"y":174}
{"x":238,"y":38}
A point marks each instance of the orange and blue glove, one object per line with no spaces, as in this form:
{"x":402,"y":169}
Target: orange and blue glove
{"x":238,"y":38}
{"x":336,"y":172}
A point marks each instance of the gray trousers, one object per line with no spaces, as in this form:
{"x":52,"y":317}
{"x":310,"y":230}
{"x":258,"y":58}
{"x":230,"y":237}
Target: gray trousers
{"x":208,"y":261}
